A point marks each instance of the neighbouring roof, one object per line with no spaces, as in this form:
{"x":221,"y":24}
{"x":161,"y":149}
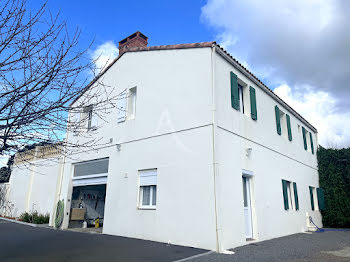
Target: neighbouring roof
{"x":201,"y":45}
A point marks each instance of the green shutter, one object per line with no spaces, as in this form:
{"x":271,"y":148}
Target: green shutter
{"x":320,"y":198}
{"x":234,"y":92}
{"x":304,"y":138}
{"x":253,"y":110}
{"x":285,"y":194}
{"x":296,"y":196}
{"x":312,"y":143}
{"x":289,"y":128}
{"x":278,"y":120}
{"x":312,"y":198}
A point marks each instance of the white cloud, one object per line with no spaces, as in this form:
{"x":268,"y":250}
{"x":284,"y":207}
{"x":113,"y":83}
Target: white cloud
{"x":104,"y":54}
{"x":303,"y":44}
{"x":318,"y":107}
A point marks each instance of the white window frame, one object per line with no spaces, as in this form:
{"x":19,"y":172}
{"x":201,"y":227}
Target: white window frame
{"x":131,"y":112}
{"x":150,"y":206}
{"x":244,"y":101}
{"x":241,"y":98}
{"x":151,"y":174}
{"x":283,"y":121}
{"x":87,"y":117}
{"x":291,"y":195}
{"x":308,"y":141}
{"x":314,"y":195}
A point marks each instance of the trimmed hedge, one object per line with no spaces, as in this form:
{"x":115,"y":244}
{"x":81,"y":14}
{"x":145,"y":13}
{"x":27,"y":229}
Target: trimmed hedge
{"x":334,"y":171}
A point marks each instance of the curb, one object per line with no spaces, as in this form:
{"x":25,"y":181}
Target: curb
{"x":25,"y":223}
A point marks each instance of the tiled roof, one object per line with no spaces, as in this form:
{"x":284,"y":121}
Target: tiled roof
{"x":198,"y":45}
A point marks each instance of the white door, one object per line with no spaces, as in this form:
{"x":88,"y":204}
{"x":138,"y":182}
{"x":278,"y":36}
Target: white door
{"x":247,"y":207}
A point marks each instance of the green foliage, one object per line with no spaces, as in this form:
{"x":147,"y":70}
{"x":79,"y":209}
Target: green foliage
{"x":35,"y":218}
{"x":334,"y":170}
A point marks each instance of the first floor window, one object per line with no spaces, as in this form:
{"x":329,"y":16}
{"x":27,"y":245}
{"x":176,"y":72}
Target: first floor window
{"x":148,"y":188}
{"x":88,"y":116}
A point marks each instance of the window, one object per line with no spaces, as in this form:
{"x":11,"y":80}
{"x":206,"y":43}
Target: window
{"x":313,"y":198}
{"x":290,"y":199}
{"x":290,"y":195}
{"x":308,"y":140}
{"x":283,"y":123}
{"x":239,"y":93}
{"x":148,"y":189}
{"x":93,"y":167}
{"x":87,"y":116}
{"x":132,"y":103}
{"x":241,"y":98}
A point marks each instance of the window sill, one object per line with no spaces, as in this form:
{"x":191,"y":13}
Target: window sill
{"x":146,"y":208}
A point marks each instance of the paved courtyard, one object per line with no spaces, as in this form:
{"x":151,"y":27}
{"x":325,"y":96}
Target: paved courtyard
{"x":24,"y":243}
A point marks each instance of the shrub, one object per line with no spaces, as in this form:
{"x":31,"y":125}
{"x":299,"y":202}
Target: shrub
{"x":35,"y":218}
{"x":25,"y":217}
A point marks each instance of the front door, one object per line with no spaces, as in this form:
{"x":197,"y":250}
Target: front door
{"x":247,"y":207}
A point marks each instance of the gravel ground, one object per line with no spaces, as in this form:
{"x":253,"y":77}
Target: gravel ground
{"x":330,"y":246}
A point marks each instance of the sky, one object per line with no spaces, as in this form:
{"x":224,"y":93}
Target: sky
{"x":300,"y":48}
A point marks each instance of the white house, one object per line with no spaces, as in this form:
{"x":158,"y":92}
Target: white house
{"x":198,"y":152}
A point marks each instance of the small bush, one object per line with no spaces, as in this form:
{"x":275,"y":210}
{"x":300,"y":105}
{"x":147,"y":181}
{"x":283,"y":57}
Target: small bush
{"x":35,"y":218}
{"x":25,"y":217}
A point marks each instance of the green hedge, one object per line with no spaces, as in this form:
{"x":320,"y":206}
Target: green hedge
{"x":334,"y":170}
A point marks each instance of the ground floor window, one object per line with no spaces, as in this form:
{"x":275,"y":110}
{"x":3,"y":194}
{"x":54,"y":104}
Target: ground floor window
{"x":148,"y":188}
{"x":290,"y":195}
{"x":149,"y":195}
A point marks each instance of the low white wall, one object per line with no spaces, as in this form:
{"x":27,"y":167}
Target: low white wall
{"x":33,"y":186}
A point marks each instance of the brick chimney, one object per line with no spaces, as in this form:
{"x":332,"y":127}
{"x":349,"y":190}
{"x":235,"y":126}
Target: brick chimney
{"x":135,"y":40}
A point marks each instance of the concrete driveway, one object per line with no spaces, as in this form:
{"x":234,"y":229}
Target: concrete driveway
{"x":25,"y":243}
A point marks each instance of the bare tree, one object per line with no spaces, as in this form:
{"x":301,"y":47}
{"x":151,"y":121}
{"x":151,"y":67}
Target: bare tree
{"x":42,"y":71}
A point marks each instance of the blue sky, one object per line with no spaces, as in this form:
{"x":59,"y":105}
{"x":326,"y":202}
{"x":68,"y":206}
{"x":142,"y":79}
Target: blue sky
{"x":298,"y":48}
{"x":164,"y":22}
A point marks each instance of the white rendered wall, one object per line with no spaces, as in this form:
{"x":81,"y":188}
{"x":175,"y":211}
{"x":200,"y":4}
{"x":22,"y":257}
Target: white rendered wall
{"x":172,"y":132}
{"x":19,"y":186}
{"x":33,"y":185}
{"x":272,"y":159}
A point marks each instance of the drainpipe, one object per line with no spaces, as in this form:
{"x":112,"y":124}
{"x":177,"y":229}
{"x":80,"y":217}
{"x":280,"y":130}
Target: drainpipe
{"x":214,"y":128}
